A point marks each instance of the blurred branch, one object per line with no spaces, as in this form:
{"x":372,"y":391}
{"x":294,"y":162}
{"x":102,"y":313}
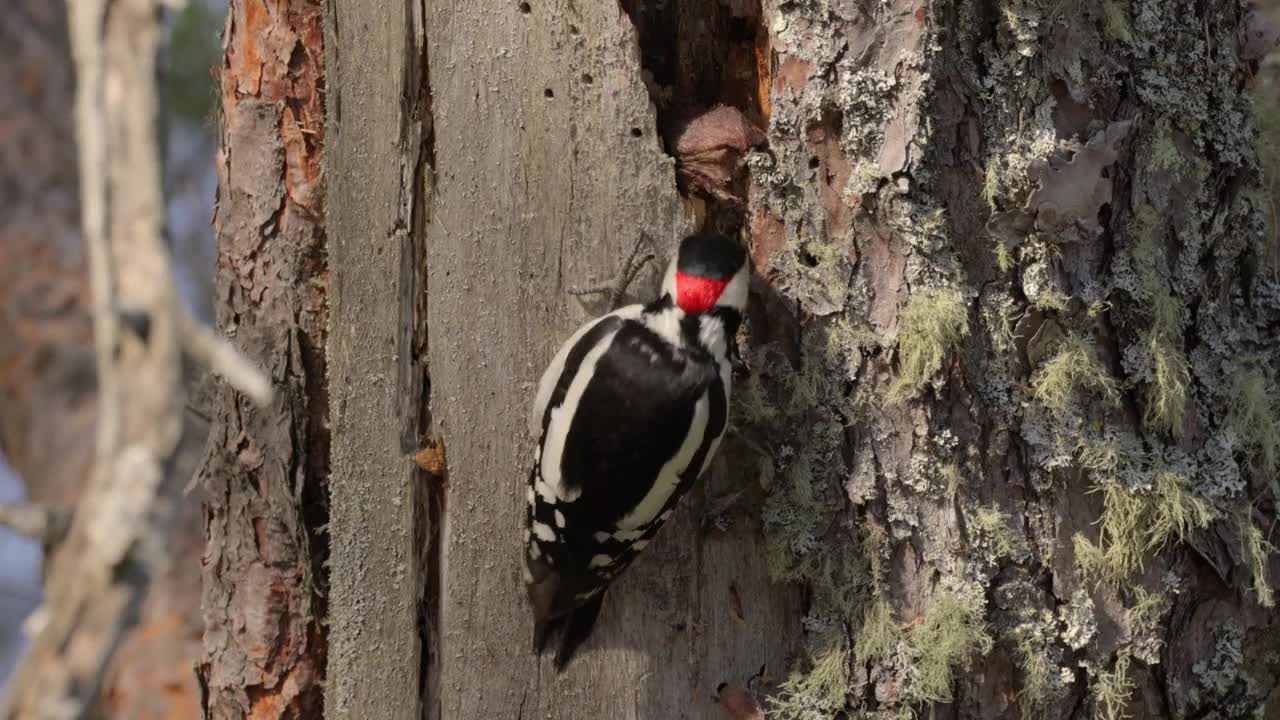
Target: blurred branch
{"x":41,"y":524}
{"x":114,"y":547}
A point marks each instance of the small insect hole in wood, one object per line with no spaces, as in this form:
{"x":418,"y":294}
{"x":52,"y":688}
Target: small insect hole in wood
{"x":548,"y":93}
{"x":636,"y":132}
{"x":525,"y":8}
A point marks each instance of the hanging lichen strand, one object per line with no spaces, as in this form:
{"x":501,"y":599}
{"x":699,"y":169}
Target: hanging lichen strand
{"x":1014,"y":378}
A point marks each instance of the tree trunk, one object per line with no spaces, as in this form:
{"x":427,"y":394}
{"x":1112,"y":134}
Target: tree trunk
{"x":377,"y":354}
{"x":1007,"y":254}
{"x":548,"y":165}
{"x":1015,"y":255}
{"x":265,"y":474}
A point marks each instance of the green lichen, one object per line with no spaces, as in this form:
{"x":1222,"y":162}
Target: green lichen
{"x":991,"y":186}
{"x":950,"y":474}
{"x":932,"y":323}
{"x":994,"y":525}
{"x":879,"y":635}
{"x":1039,"y":672}
{"x":1052,"y":300}
{"x":1112,"y":690}
{"x":1143,"y":616}
{"x":1256,"y":552}
{"x":1254,"y":416}
{"x":818,"y":694}
{"x":1172,"y":511}
{"x":1004,"y":260}
{"x":1135,"y":521}
{"x":1073,"y":368}
{"x":1116,"y":21}
{"x":1146,"y":609}
{"x":1167,"y":396}
{"x":950,"y":635}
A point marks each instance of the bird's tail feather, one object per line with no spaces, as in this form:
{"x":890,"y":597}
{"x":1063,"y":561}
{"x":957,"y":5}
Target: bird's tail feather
{"x":577,"y":628}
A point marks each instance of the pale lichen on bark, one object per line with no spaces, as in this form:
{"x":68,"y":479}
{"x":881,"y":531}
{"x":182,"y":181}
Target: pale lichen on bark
{"x":1081,"y":179}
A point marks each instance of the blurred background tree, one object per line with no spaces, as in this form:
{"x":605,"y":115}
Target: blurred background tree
{"x":47,"y":386}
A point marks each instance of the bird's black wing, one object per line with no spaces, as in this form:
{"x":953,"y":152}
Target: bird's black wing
{"x":630,"y":421}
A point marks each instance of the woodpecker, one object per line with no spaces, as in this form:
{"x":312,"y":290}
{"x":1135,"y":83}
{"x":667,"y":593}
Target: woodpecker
{"x":629,"y":413}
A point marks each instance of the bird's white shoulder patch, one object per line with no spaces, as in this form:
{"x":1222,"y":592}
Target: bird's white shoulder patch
{"x":561,"y":419}
{"x":549,"y":376}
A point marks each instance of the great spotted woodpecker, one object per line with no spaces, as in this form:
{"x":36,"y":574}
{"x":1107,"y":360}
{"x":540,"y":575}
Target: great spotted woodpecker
{"x":629,"y":413}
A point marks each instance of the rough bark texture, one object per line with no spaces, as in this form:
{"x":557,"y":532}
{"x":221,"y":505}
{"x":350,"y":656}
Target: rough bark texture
{"x":1017,"y":255}
{"x":548,"y":165}
{"x":376,"y":357}
{"x":264,"y":580}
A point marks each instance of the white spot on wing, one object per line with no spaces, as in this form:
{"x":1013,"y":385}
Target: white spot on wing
{"x":559,"y":519}
{"x":599,"y":561}
{"x":640,"y":545}
{"x":669,"y":475}
{"x":562,"y":419}
{"x":535,"y":551}
{"x":544,"y":532}
{"x":528,"y":495}
{"x":602,"y":537}
{"x":544,"y":492}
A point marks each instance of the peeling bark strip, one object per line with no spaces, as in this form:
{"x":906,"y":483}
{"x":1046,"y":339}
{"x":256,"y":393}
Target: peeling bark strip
{"x":549,"y":164}
{"x":265,"y":473}
{"x":378,"y":177}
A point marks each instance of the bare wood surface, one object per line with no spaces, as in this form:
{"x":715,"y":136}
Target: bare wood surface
{"x":547,"y":169}
{"x":377,"y":128}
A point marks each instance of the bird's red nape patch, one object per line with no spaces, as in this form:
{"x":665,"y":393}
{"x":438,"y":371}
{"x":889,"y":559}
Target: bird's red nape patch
{"x":696,"y":294}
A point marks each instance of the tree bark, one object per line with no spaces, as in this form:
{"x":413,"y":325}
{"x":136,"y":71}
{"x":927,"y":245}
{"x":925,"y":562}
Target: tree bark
{"x":1015,"y":254}
{"x":548,"y":166}
{"x":1007,"y":255}
{"x":376,"y":355}
{"x":265,"y":582}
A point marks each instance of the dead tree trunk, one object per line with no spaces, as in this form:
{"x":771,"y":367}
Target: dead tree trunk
{"x":265,"y":473}
{"x":378,"y":203}
{"x":548,"y":163}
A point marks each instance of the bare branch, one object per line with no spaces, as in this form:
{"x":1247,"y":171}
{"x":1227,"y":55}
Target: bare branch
{"x":99,"y":573}
{"x":209,"y":349}
{"x":30,"y":521}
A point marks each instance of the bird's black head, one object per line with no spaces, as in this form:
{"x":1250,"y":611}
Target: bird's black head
{"x":709,"y":271}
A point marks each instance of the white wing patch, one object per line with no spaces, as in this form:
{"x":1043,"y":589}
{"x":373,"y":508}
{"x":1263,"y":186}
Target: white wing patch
{"x":549,"y":376}
{"x":562,"y":418}
{"x":669,"y":476}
